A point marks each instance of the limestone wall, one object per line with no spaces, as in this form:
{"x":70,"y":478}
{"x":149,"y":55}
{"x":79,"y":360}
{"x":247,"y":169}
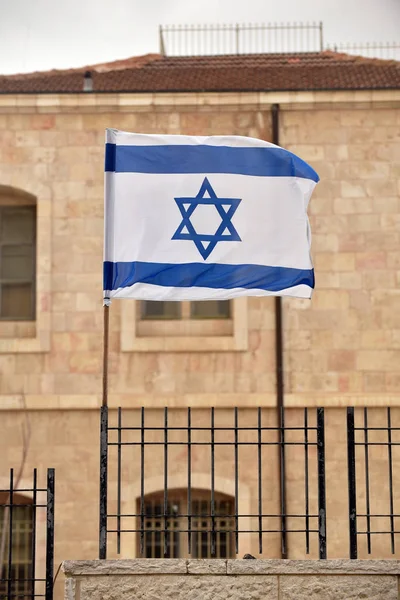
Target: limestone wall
{"x":253,"y":580}
{"x":341,"y":348}
{"x":346,"y":341}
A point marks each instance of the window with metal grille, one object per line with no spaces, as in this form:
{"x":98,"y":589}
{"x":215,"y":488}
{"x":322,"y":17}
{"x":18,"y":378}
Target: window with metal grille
{"x":205,"y":309}
{"x":17,"y":262}
{"x":18,"y":555}
{"x":183,"y":518}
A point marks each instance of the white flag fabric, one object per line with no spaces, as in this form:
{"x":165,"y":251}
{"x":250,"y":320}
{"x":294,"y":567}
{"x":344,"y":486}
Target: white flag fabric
{"x":205,"y":218}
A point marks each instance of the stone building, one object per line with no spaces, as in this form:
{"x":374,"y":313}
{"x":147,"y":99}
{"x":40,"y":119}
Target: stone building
{"x":342,"y":115}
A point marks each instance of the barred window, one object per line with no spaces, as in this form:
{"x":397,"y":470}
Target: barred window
{"x":17,"y":262}
{"x":21,"y":545}
{"x":177,"y":525}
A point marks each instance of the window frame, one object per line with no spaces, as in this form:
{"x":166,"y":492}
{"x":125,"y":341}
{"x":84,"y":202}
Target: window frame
{"x":17,"y":336}
{"x":4,"y":281}
{"x":186,"y":312}
{"x":192,"y":335}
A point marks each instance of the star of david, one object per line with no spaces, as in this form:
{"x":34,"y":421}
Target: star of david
{"x":226,"y":232}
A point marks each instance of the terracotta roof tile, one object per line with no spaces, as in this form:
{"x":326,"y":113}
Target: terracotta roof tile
{"x":252,"y":72}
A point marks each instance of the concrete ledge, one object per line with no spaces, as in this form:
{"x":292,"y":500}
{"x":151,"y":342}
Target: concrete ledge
{"x":179,"y":579}
{"x":145,"y":566}
{"x":138,"y":566}
{"x":313,"y":567}
{"x":43,"y":402}
{"x":114,"y":101}
{"x":207,"y":567}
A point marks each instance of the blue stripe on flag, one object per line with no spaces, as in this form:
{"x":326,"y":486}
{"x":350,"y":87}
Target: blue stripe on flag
{"x":216,"y":276}
{"x":259,"y":161}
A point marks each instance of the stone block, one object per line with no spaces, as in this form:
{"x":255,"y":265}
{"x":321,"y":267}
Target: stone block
{"x":370,"y":260}
{"x":390,"y":222}
{"x":68,"y":122}
{"x":390,"y":319}
{"x":382,"y":240}
{"x":139,"y":566}
{"x":386,"y":204}
{"x":355,"y":118}
{"x":351,"y":205}
{"x":375,"y":339}
{"x":320,"y":205}
{"x":315,"y":383}
{"x":314,"y":568}
{"x":350,"y":281}
{"x":26,"y":363}
{"x":353,"y":189}
{"x":26,"y":138}
{"x":381,"y":279}
{"x":350,"y":382}
{"x":378,"y":360}
{"x":69,"y":190}
{"x":325,"y":242}
{"x":206,"y":567}
{"x":85,"y":362}
{"x":330,"y":299}
{"x":309,"y":152}
{"x":173,"y":587}
{"x":392,"y":382}
{"x":328,"y":280}
{"x":322,"y":339}
{"x":341,"y":360}
{"x":313,"y":360}
{"x":70,"y":588}
{"x":86,"y":301}
{"x":43,"y":121}
{"x":373,"y":382}
{"x":342,"y":261}
{"x":360,"y":223}
{"x":63,"y":301}
{"x":375,"y":188}
{"x":337,"y":152}
{"x":338,"y":588}
{"x":396,"y":338}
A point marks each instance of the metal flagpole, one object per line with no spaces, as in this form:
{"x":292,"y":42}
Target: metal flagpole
{"x":279,"y":378}
{"x":104,"y":438}
{"x":106,"y":327}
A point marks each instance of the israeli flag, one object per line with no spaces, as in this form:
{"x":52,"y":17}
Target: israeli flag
{"x":205,"y":218}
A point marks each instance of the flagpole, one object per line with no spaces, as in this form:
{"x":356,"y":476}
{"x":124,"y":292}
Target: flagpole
{"x":279,"y":378}
{"x":104,"y":437}
{"x":106,"y":328}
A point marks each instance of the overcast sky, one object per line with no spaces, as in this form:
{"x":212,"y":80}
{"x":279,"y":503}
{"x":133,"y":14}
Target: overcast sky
{"x":45,"y":34}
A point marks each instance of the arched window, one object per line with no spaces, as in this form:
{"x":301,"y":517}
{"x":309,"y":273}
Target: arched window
{"x":177,"y":525}
{"x":21,"y":545}
{"x":17,"y":255}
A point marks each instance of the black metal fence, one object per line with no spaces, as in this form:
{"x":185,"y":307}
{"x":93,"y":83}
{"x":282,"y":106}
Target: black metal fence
{"x":27,"y":529}
{"x":239,"y":444}
{"x":240,"y":38}
{"x":372,"y":438}
{"x":256,"y":38}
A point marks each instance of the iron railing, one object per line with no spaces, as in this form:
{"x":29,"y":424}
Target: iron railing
{"x":240,"y":38}
{"x":260,"y":38}
{"x":22,"y":534}
{"x":385,"y":50}
{"x":372,"y":440}
{"x":242,"y":443}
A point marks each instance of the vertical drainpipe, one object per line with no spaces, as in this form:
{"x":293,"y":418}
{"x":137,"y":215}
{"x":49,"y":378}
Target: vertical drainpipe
{"x":279,"y":378}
